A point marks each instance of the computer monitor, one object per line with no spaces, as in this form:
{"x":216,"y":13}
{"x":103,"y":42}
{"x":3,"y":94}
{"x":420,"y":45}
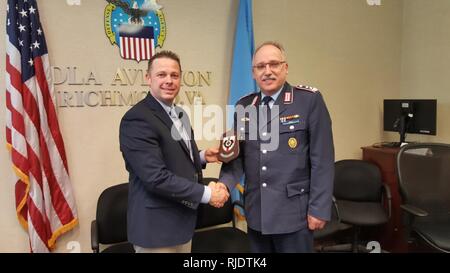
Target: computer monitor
{"x":410,"y":116}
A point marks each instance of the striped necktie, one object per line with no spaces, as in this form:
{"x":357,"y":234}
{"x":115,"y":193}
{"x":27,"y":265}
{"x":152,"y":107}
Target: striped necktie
{"x":266,"y":108}
{"x":181,"y":130}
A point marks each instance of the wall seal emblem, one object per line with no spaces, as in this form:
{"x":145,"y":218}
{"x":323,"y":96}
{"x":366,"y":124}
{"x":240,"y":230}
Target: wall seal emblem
{"x":137,"y":27}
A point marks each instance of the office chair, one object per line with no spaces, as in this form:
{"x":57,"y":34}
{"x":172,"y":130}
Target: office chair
{"x":223,"y":239}
{"x":358,"y":190}
{"x":110,"y":224}
{"x":424,"y":180}
{"x":331,"y":229}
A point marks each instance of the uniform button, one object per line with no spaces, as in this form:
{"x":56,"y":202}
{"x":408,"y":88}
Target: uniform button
{"x":264,"y":134}
{"x":292,"y":127}
{"x":264,"y":151}
{"x":264,"y":168}
{"x":264,"y":185}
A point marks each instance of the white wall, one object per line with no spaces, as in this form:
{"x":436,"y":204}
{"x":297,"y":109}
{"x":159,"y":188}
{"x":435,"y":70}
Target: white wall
{"x":426,"y":60}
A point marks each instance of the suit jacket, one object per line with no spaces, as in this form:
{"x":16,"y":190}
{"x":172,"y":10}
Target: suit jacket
{"x":285,"y":184}
{"x":164,"y":190}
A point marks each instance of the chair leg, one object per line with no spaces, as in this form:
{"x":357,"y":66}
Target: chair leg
{"x":335,"y":248}
{"x":355,"y":248}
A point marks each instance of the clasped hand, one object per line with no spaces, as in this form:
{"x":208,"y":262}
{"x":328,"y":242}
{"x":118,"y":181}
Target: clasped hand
{"x":212,"y":155}
{"x":219,"y":194}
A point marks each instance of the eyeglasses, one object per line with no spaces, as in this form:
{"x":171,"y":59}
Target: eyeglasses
{"x":272,"y":65}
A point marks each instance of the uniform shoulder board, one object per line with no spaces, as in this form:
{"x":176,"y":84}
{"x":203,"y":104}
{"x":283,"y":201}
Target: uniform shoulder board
{"x":248,"y":99}
{"x":247,"y":96}
{"x":307,"y":88}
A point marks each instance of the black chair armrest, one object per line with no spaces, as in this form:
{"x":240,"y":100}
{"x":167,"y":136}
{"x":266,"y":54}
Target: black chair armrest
{"x":409,"y":217}
{"x":336,"y":209}
{"x":387,"y":191}
{"x":333,"y":199}
{"x":94,"y":237}
{"x":414,"y":210}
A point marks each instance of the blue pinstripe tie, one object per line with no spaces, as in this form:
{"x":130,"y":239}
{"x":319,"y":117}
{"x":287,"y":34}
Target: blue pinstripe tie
{"x":181,"y":130}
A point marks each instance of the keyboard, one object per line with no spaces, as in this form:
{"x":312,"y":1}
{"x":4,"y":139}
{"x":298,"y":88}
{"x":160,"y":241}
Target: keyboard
{"x":390,"y":144}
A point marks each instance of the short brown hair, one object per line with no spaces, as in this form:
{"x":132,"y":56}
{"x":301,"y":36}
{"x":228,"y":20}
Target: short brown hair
{"x":272,"y":43}
{"x":163,"y":54}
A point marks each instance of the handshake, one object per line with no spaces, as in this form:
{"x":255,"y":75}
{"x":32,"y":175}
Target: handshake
{"x":219,"y":194}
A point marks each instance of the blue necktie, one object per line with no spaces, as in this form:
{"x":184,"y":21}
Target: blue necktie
{"x":266,"y":108}
{"x":266,"y":100}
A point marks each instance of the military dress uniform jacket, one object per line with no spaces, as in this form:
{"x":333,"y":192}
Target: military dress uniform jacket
{"x":283,"y":186}
{"x":164,"y":188}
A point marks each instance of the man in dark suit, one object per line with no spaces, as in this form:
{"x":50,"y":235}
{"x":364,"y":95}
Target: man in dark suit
{"x":289,"y":165}
{"x":164,"y":165}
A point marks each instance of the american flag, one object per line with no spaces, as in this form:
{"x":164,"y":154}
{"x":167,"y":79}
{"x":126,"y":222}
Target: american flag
{"x":137,"y":45}
{"x":45,"y":204}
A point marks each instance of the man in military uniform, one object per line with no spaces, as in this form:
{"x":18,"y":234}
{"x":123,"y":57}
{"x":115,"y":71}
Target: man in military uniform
{"x":288,"y":190}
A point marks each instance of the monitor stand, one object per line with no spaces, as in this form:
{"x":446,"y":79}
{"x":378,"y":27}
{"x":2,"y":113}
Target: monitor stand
{"x":391,"y":144}
{"x":395,"y":144}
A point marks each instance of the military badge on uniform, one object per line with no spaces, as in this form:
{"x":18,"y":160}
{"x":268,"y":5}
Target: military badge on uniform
{"x":288,"y":97}
{"x":307,"y":88}
{"x":292,"y":142}
{"x":255,"y":99}
{"x":229,"y":147}
{"x":288,"y":120}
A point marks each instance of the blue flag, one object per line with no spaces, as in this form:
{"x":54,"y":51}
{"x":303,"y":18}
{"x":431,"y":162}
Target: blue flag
{"x":242,"y":81}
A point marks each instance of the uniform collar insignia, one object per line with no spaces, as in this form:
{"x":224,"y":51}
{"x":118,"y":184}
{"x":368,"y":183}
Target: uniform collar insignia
{"x":288,"y":96}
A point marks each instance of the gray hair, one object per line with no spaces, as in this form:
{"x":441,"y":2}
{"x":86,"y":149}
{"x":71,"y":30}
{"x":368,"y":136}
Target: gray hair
{"x":272,"y":43}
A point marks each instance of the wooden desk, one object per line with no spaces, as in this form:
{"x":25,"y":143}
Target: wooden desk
{"x":392,"y":236}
